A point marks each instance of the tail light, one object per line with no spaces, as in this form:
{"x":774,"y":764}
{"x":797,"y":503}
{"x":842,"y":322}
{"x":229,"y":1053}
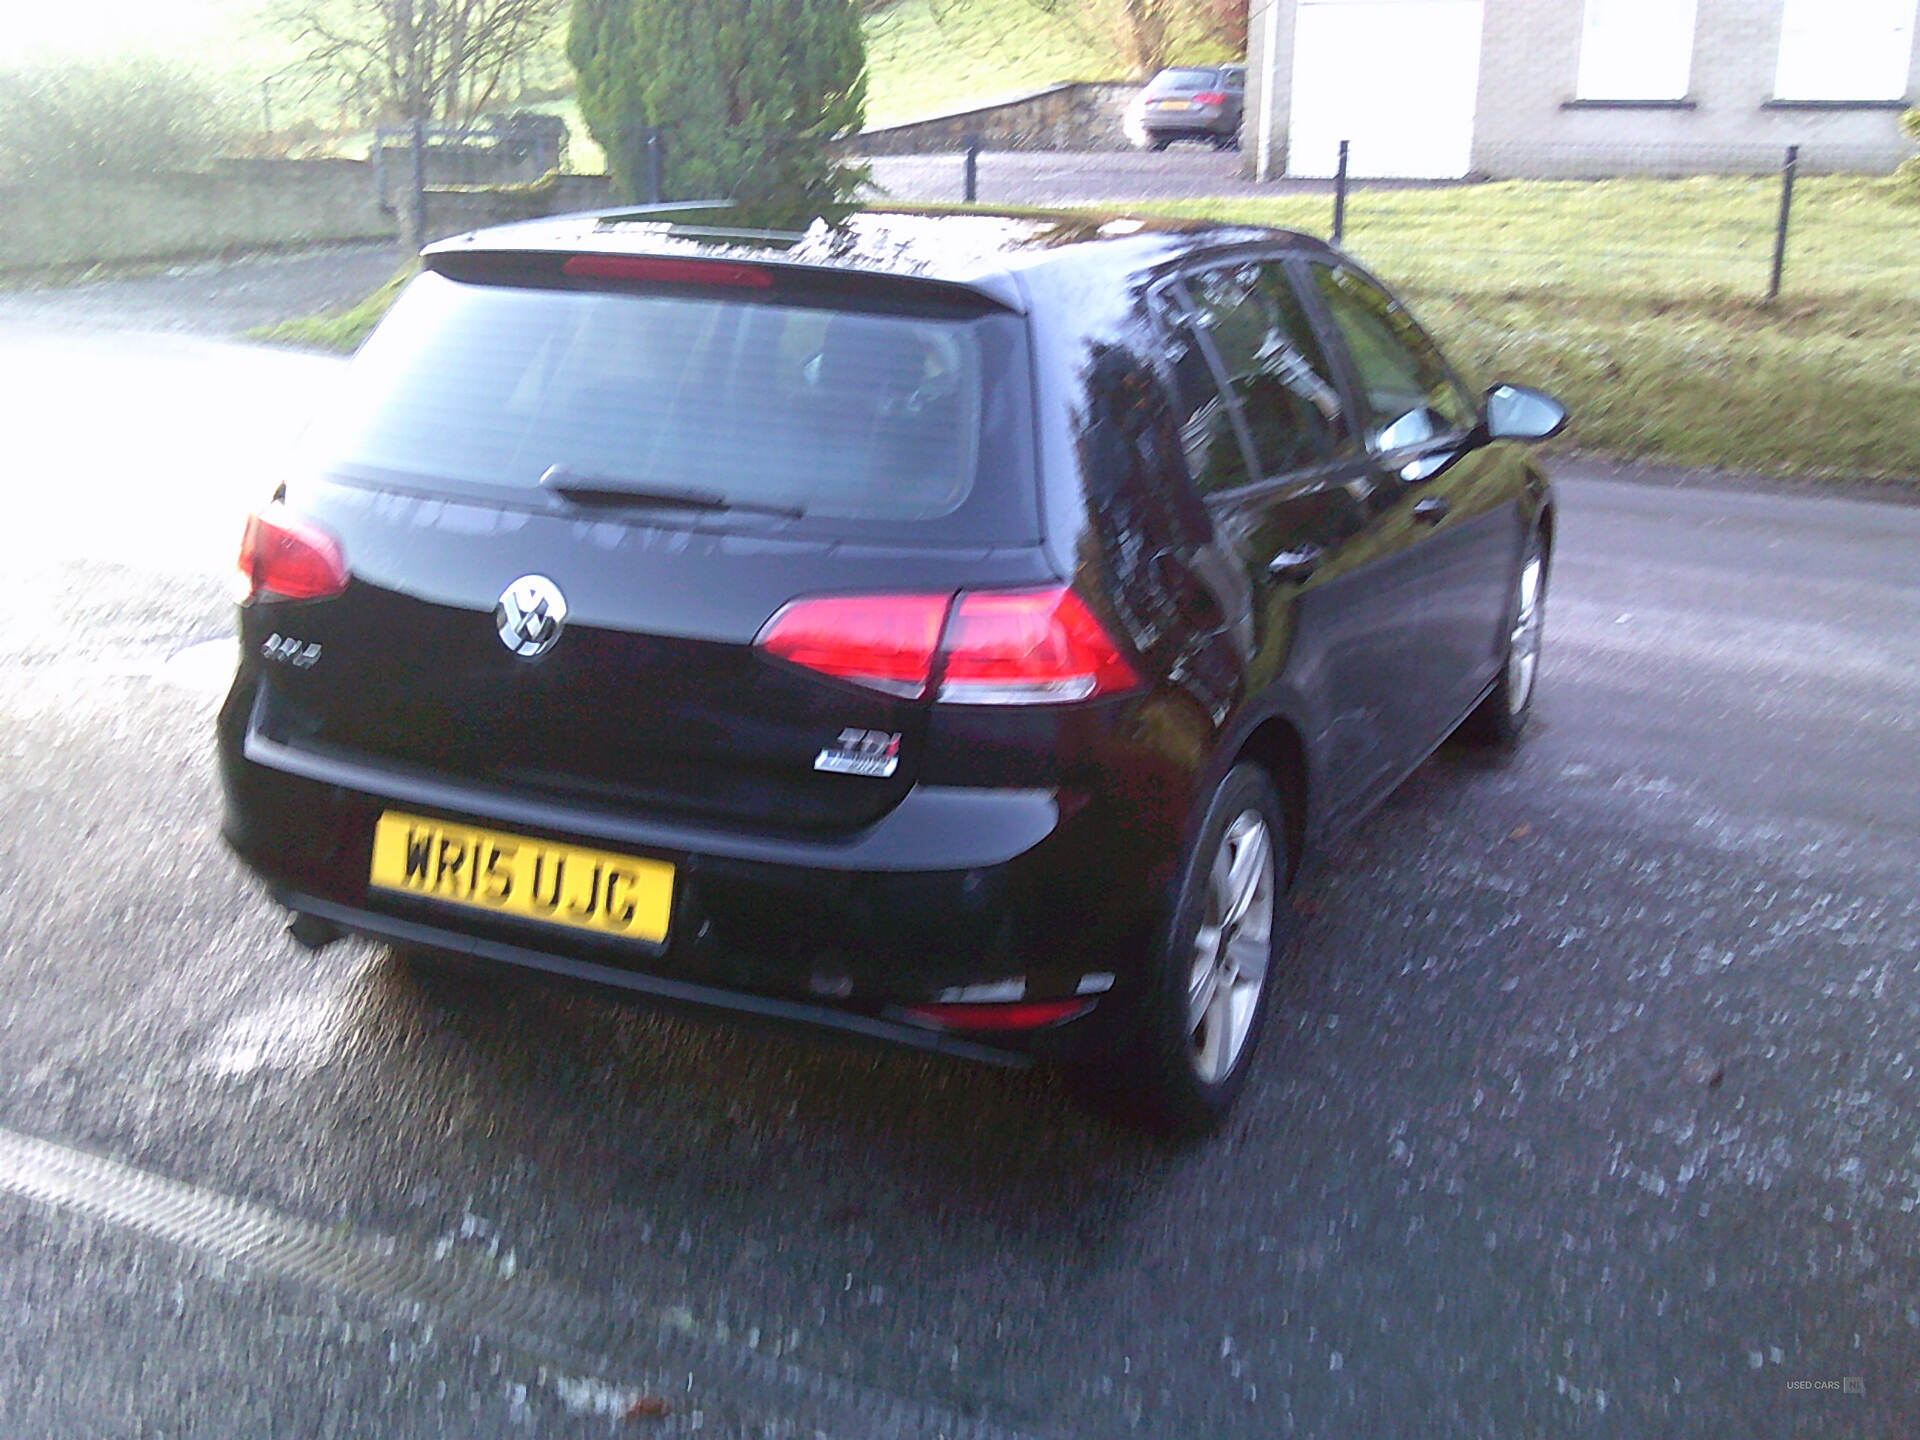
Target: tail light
{"x":982,"y":647}
{"x":886,"y":642}
{"x":1210,"y":97}
{"x":1028,"y":648}
{"x":282,"y":558}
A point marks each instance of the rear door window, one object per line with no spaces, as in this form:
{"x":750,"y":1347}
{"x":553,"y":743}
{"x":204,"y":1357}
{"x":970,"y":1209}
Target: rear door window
{"x":1209,"y":433}
{"x":849,"y":417}
{"x":1275,"y":368}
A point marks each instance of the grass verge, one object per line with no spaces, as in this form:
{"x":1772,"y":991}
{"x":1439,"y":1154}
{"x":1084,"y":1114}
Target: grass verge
{"x":340,"y":330}
{"x":926,"y":56}
{"x":1639,"y":303}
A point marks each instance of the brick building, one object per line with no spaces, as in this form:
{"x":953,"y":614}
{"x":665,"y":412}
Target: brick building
{"x":1447,"y":88}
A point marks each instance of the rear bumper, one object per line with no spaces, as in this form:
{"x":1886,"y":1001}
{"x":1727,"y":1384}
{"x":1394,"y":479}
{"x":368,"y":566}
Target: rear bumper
{"x":1180,"y":123}
{"x":955,"y":888}
{"x":883,"y":1029}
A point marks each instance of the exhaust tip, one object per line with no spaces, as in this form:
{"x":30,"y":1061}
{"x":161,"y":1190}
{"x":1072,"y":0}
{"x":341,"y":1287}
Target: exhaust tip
{"x":313,"y":933}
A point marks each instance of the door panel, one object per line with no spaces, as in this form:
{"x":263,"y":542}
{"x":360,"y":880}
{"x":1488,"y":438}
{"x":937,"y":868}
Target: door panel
{"x":1451,"y":506}
{"x":1302,"y":521}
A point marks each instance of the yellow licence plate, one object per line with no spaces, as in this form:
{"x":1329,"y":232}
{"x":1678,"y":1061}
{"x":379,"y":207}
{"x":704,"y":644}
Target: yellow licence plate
{"x":1171,"y":104}
{"x":507,"y":874}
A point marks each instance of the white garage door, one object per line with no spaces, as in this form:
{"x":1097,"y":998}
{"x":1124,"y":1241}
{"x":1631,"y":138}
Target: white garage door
{"x":1395,"y":77}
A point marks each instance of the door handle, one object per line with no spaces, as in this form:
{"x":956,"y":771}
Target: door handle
{"x":1296,"y":565}
{"x":1431,"y":509}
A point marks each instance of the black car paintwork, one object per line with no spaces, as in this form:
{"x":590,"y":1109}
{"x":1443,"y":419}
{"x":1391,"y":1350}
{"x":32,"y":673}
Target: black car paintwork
{"x":1041,"y":841}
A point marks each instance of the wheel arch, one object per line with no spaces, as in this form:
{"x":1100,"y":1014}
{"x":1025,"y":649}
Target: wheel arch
{"x":1277,"y":748}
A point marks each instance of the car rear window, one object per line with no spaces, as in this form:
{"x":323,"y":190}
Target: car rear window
{"x":856,"y":419}
{"x":1169,"y":81}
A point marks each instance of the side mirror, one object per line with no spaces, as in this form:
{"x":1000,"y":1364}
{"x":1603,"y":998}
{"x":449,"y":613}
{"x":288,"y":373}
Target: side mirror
{"x":1513,"y":412}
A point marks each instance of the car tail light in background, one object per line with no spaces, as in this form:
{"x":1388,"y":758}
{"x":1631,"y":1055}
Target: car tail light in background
{"x":982,"y":647}
{"x":1210,"y":97}
{"x":282,"y":558}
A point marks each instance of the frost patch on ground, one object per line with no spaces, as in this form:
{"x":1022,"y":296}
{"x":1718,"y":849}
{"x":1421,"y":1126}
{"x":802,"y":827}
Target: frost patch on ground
{"x":293,"y":1034}
{"x":586,"y":1395}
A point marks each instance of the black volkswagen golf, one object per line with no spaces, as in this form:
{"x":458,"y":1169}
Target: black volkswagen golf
{"x":950,"y":629}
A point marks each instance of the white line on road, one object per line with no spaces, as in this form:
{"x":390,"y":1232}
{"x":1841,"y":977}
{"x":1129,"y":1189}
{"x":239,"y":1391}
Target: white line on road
{"x":541,"y":1317}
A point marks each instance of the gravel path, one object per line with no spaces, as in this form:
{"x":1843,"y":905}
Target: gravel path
{"x":210,"y":297}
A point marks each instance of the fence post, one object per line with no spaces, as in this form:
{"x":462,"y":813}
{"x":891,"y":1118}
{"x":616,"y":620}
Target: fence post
{"x":656,"y":165}
{"x":1340,"y":195}
{"x":973,"y":168}
{"x":417,"y":210}
{"x":1786,"y":211}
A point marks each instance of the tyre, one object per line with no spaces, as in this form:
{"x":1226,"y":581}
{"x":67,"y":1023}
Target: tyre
{"x":1204,"y":1001}
{"x":1159,"y":142}
{"x":1500,"y":719}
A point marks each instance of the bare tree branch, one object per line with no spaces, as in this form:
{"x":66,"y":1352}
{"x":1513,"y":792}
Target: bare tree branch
{"x":428,"y":59}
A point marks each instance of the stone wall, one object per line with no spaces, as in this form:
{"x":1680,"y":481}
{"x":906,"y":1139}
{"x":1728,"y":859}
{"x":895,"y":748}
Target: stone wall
{"x":1077,"y":115}
{"x":237,"y":205}
{"x":456,"y":209}
{"x":251,"y":205}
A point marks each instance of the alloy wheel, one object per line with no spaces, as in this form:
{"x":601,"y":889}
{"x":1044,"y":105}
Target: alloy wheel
{"x":1523,"y":644}
{"x":1231,"y":947}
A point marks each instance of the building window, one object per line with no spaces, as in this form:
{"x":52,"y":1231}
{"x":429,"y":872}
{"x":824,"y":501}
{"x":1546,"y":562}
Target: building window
{"x":1845,"y":50}
{"x":1637,"y":50}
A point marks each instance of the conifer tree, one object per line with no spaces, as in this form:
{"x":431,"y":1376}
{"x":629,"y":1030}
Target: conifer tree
{"x":751,"y":98}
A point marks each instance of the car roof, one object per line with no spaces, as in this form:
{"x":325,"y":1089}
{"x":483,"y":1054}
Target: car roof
{"x":977,"y":251}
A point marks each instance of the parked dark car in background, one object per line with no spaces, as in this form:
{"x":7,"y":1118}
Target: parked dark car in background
{"x":952,"y":630}
{"x":1190,"y":103}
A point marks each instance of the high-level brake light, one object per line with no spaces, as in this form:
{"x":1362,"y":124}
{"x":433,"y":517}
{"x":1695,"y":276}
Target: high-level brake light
{"x":670,"y":269}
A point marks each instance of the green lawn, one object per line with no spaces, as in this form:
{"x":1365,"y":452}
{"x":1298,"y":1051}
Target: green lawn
{"x":1639,"y":303}
{"x":926,"y":56}
{"x":340,"y":330}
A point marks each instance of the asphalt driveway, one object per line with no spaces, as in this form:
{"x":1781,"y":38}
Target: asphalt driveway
{"x":1589,"y":1106}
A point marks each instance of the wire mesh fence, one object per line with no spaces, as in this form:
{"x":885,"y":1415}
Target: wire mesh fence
{"x":1671,"y":221}
{"x":1678,"y":223}
{"x":1655,"y":221}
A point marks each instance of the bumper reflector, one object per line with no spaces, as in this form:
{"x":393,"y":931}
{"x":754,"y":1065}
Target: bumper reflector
{"x":1025,"y":1015}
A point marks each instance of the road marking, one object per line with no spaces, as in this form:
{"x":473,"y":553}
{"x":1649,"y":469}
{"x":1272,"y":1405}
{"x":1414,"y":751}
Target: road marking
{"x":541,"y":1317}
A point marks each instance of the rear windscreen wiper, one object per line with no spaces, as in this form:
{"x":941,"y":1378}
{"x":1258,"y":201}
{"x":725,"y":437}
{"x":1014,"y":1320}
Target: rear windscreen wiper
{"x":607,"y":490}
